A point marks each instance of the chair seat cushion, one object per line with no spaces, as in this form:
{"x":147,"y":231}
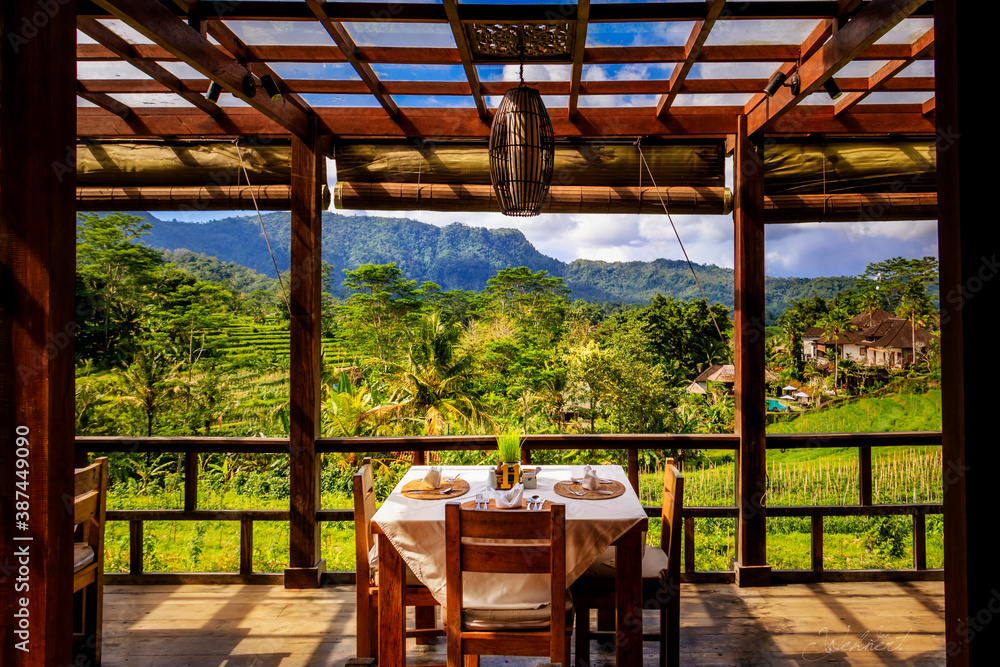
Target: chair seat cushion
{"x":514,"y":619}
{"x":411,"y":579}
{"x":83,"y":555}
{"x":654,"y":559}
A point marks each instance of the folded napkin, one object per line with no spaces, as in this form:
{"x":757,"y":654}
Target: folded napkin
{"x":508,"y":499}
{"x":590,"y":479}
{"x":433,"y":477}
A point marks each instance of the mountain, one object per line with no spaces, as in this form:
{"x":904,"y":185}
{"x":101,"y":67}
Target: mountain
{"x":463,"y":257}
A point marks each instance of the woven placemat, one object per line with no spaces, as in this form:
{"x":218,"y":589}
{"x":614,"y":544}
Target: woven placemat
{"x":492,"y":505}
{"x":459,"y":487}
{"x":615,"y":487}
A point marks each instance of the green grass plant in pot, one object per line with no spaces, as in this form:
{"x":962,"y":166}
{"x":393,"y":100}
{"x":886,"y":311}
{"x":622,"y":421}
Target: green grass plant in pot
{"x":509,"y":464}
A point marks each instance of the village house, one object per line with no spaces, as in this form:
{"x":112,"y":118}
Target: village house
{"x":878,"y":339}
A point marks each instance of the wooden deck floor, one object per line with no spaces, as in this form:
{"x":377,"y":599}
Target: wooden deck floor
{"x":263,"y":626}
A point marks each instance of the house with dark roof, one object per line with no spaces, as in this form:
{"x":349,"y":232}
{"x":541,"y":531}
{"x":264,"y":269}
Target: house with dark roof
{"x":879,"y":339}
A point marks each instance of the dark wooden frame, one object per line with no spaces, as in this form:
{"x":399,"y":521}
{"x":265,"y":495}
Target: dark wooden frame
{"x":39,"y":124}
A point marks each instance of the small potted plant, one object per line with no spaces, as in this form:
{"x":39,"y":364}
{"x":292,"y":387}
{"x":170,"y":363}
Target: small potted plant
{"x":509,"y":455}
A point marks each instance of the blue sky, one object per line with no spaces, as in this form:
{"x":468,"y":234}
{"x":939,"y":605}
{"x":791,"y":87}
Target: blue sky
{"x":806,"y":250}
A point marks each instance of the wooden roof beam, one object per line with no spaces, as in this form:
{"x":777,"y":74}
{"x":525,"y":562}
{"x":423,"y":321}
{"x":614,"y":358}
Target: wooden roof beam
{"x":347,"y":46}
{"x":104,"y":101}
{"x":579,"y":48}
{"x":121,"y":48}
{"x":871,"y":23}
{"x":429,"y":12}
{"x":365,"y":123}
{"x":465,"y":52}
{"x":497,"y":88}
{"x":406,"y":55}
{"x":695,"y":42}
{"x":820,"y":34}
{"x":245,"y":56}
{"x":159,"y":24}
{"x":921,"y":47}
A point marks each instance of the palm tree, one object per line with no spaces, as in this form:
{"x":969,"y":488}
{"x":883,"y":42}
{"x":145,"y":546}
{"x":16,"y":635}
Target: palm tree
{"x":430,"y":384}
{"x":914,"y":305}
{"x":836,"y":323}
{"x":146,"y":383}
{"x":345,"y":402}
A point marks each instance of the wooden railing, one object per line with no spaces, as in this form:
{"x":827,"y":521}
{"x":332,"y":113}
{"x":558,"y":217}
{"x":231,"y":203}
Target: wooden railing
{"x":630,"y":443}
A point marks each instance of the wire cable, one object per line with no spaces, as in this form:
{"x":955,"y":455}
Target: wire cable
{"x":281,"y":281}
{"x":638,"y":145}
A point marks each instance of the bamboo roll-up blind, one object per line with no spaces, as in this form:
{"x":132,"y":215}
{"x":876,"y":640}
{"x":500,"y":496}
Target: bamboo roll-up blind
{"x":691,"y":164}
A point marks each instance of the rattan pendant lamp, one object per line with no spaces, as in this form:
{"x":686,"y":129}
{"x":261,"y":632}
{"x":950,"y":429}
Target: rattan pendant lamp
{"x":522,"y":150}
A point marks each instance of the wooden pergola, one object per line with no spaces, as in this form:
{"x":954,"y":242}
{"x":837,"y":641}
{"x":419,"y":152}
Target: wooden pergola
{"x":176,"y":48}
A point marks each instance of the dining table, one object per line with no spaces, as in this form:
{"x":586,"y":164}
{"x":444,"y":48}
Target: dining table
{"x":410,"y":531}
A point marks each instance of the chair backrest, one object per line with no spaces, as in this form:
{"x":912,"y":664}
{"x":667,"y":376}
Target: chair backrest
{"x":90,"y":492}
{"x":364,"y":509}
{"x":673,"y":503}
{"x":534,"y":543}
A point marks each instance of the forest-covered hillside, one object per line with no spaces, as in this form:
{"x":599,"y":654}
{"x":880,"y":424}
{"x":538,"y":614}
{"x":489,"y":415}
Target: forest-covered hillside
{"x":463,"y":257}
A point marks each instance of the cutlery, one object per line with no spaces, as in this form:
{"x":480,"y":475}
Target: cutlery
{"x":480,"y":500}
{"x":579,"y":480}
{"x":583,"y":493}
{"x":535,"y":503}
{"x":453,"y":479}
{"x":440,"y":491}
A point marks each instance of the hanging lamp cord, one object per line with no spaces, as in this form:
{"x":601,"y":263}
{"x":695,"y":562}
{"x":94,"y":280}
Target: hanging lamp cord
{"x":520,"y":53}
{"x":642,"y":157}
{"x":260,"y":218}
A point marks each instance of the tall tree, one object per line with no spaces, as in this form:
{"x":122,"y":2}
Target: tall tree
{"x":683,"y":333}
{"x":915,"y":305}
{"x":381,"y":302}
{"x":114,"y":274}
{"x":837,"y":324}
{"x":535,"y":300}
{"x":890,"y":277}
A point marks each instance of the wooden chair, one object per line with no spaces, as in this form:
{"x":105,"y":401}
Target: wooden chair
{"x":89,"y":504}
{"x":532,"y":632}
{"x":660,"y":580}
{"x":366,"y":555}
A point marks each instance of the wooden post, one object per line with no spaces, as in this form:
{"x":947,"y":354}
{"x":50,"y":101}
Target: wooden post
{"x":751,"y":548}
{"x":190,"y":481}
{"x":816,"y":540}
{"x":865,"y":474}
{"x":246,"y":546}
{"x":969,"y":285}
{"x":919,"y":542}
{"x":37,"y":259}
{"x":633,"y":468}
{"x":308,"y":177}
{"x":135,"y":547}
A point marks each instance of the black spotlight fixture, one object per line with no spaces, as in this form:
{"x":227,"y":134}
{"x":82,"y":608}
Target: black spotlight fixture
{"x":249,"y":86}
{"x":779,"y":79}
{"x":793,"y":82}
{"x":214,"y":91}
{"x":832,"y":89}
{"x":270,"y":87}
{"x":775,"y":82}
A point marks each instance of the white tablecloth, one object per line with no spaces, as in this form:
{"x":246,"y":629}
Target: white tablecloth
{"x":416,"y":528}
